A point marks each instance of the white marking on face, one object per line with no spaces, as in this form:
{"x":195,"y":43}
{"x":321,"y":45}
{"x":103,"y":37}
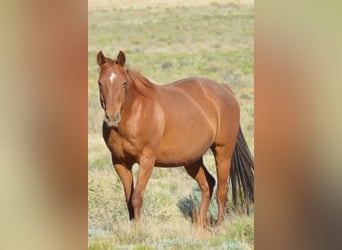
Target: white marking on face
{"x":112,"y":76}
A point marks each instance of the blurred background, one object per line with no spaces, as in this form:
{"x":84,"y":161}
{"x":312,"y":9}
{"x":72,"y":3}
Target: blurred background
{"x":44,"y":123}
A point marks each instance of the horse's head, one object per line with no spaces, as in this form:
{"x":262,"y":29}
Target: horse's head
{"x":112,"y":84}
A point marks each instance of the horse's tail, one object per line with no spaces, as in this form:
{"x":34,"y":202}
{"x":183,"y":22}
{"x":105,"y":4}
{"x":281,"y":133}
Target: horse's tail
{"x":242,"y":172}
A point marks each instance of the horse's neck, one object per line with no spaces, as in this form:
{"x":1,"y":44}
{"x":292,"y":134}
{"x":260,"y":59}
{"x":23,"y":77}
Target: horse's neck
{"x":133,"y":98}
{"x":139,"y":92}
{"x":142,"y":85}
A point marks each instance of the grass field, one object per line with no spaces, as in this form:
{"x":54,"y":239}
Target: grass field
{"x":167,"y":43}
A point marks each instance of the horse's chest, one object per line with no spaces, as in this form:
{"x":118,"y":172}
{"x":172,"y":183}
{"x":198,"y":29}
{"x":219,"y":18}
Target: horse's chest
{"x":122,"y":148}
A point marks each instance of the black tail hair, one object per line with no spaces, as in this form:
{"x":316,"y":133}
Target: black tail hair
{"x":242,"y":172}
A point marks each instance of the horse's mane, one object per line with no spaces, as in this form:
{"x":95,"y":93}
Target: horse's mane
{"x":141,"y":84}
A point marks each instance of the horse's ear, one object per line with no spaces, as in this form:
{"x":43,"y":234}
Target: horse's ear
{"x":121,"y":58}
{"x":100,"y":58}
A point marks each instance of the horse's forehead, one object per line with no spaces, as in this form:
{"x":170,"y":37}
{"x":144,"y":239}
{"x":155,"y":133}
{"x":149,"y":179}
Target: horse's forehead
{"x":112,"y":76}
{"x":113,"y":73}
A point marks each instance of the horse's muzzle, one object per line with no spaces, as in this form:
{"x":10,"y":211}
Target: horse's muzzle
{"x":112,"y":121}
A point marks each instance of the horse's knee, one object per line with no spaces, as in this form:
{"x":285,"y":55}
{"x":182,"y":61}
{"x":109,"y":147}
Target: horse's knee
{"x":137,"y":200}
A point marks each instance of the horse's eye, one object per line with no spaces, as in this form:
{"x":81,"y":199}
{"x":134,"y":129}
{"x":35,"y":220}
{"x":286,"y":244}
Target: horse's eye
{"x":100,"y":85}
{"x":124,"y":84}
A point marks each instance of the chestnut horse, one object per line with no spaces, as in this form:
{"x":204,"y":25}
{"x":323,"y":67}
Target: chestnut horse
{"x":173,"y":125}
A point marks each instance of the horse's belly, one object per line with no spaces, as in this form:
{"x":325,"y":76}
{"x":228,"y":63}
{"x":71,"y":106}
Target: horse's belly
{"x":176,"y":159}
{"x":184,"y":149}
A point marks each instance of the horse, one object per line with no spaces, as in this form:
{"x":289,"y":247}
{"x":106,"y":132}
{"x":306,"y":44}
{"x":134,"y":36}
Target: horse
{"x":173,"y":125}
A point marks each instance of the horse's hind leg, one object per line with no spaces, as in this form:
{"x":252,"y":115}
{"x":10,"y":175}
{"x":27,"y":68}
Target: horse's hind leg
{"x":223,"y":155}
{"x":206,"y":183}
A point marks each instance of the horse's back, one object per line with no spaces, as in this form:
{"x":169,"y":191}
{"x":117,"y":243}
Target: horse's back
{"x":213,"y":98}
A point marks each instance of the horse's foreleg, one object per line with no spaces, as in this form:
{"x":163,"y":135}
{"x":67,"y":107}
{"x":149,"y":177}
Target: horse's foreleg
{"x":126,"y":177}
{"x":146,"y":165}
{"x":206,"y":183}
